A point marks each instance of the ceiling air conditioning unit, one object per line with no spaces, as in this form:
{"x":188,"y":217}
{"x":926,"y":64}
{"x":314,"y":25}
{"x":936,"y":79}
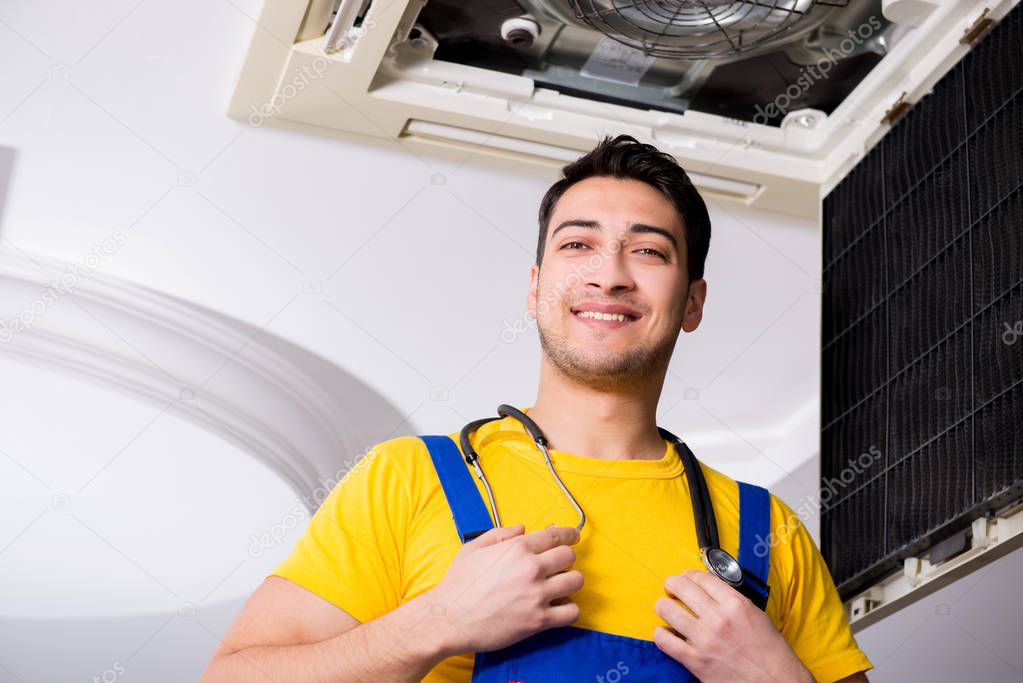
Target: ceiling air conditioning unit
{"x":763,"y":102}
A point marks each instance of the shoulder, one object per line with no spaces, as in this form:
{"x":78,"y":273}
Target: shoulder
{"x":400,"y":458}
{"x":389,"y":480}
{"x":726,"y":489}
{"x":401,"y":451}
{"x":402,"y":462}
{"x":384,"y":466}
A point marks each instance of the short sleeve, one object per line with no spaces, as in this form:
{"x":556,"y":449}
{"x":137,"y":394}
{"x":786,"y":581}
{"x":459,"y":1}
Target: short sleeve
{"x":812,"y":616}
{"x":351,"y":552}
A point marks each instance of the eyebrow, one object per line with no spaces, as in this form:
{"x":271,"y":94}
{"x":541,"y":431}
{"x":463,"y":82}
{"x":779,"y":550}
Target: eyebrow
{"x":635,"y":227}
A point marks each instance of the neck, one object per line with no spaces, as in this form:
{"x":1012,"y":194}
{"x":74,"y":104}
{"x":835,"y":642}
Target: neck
{"x":596,"y":423}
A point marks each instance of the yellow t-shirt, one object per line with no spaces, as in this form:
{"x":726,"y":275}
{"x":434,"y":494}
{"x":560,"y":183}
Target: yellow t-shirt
{"x":385,"y":534}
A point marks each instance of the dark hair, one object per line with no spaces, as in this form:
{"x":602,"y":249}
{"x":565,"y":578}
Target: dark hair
{"x":626,"y":157}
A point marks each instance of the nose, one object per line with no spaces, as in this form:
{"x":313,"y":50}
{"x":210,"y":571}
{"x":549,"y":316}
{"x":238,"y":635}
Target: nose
{"x":610,"y":274}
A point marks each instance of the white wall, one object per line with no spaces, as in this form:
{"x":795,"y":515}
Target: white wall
{"x":402,"y":270}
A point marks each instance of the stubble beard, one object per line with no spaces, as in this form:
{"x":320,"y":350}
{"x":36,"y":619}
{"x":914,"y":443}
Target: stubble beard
{"x":601,"y":369}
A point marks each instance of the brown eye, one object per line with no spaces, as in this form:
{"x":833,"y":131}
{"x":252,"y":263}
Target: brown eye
{"x":655,"y":252}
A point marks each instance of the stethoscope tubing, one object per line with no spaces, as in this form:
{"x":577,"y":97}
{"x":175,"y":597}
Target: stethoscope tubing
{"x":717,"y":561}
{"x":706,"y":525}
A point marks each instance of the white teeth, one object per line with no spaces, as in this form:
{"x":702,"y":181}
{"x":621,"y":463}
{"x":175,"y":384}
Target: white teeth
{"x":620,"y":317}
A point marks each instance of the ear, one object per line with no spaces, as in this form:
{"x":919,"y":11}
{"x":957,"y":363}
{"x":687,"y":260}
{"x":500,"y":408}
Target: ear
{"x":696,"y":297}
{"x":534,"y":280}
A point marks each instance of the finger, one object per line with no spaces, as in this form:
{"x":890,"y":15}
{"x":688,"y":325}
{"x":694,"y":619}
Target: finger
{"x":688,"y":591}
{"x":556,"y":559}
{"x":677,"y":616}
{"x":712,"y":585}
{"x":545,"y":539}
{"x":673,"y":645}
{"x":562,"y":615}
{"x":561,"y":585}
{"x":496,"y":535}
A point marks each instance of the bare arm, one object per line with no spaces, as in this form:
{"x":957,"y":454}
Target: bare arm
{"x":501,"y":587}
{"x":286,"y":633}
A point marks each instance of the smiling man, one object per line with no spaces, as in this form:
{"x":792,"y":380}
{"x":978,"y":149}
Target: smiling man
{"x":391,"y":581}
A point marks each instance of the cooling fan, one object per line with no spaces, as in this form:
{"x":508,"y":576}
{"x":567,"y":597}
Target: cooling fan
{"x":697,"y":29}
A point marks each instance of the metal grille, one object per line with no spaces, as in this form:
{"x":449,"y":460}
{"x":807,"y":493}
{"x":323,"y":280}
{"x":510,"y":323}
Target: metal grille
{"x":696,"y":29}
{"x":922,"y":327}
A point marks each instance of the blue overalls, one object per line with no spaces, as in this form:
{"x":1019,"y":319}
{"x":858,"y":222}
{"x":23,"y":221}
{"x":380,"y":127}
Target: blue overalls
{"x":569,"y":653}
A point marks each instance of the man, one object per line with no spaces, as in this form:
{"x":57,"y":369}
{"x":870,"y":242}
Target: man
{"x":380,"y":587}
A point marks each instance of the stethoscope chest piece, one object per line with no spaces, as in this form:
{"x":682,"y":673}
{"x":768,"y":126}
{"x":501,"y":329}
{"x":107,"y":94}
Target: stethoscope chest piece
{"x":722,"y":565}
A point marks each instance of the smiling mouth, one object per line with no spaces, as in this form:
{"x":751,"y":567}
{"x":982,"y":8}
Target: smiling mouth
{"x":609,"y":317}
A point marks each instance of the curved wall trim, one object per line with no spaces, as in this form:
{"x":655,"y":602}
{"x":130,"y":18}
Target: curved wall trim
{"x":301,"y":415}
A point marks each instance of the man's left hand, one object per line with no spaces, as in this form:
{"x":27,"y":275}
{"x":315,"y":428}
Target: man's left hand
{"x":724,"y":637}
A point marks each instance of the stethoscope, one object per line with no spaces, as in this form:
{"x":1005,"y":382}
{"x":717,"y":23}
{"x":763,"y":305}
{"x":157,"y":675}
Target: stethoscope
{"x":718,"y":561}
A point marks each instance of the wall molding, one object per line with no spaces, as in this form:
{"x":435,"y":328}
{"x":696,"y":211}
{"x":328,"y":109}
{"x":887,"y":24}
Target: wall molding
{"x":304,"y":417}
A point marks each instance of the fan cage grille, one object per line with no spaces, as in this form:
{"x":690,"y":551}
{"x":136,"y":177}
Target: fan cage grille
{"x":695,"y":29}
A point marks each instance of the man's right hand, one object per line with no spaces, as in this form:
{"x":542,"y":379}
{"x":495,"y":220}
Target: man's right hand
{"x":506,"y":585}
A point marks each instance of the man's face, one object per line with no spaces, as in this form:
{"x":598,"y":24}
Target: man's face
{"x":613,"y":246}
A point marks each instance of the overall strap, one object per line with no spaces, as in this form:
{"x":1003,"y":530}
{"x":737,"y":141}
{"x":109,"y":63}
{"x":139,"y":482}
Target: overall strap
{"x":467,"y":508}
{"x":754,"y":540}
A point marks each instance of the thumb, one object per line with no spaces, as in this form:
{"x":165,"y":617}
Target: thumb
{"x":497,"y":534}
